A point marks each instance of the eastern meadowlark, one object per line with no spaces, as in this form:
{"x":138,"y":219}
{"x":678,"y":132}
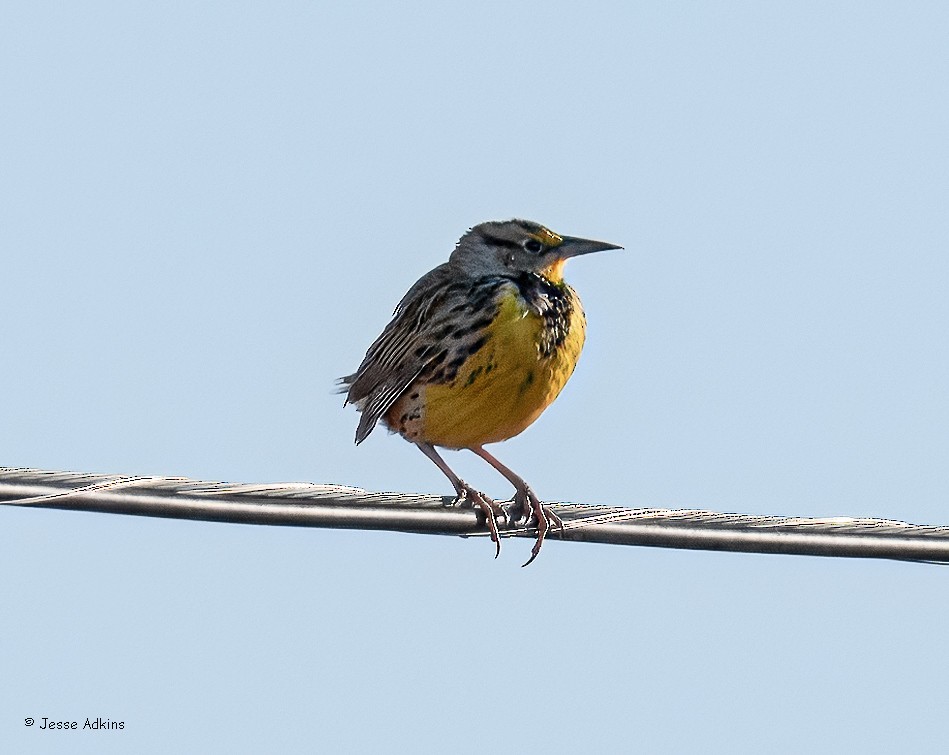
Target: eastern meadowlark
{"x":475,"y":351}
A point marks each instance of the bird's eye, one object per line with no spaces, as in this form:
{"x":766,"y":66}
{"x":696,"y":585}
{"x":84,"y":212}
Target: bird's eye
{"x":533,"y":245}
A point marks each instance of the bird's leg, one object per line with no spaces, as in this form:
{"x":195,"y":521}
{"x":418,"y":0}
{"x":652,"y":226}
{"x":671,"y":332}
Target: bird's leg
{"x":467,"y":494}
{"x":526,"y":503}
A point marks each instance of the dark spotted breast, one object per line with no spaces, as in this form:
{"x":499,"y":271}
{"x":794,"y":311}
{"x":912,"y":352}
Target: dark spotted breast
{"x":555,"y":302}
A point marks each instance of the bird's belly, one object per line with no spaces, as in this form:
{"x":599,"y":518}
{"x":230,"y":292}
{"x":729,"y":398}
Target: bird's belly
{"x":503,"y":387}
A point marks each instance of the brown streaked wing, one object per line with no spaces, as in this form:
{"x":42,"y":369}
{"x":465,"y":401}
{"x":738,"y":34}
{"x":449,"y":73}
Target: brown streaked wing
{"x":407,"y":345}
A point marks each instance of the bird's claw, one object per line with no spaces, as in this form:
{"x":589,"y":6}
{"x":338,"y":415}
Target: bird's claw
{"x":525,"y":505}
{"x":491,"y":510}
{"x":535,"y":513}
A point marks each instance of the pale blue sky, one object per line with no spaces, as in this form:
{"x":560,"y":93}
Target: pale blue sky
{"x":208,"y":212}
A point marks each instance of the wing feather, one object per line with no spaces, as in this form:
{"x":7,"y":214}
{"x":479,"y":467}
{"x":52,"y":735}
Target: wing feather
{"x":407,"y":346}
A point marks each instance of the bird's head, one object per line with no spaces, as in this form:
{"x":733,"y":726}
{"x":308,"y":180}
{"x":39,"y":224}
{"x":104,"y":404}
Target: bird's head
{"x":519,"y":246}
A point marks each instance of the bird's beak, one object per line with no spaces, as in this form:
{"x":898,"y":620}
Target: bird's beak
{"x":574,"y":247}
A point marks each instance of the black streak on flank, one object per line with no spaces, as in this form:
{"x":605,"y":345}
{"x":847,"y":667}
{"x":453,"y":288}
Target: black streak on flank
{"x":473,"y":376}
{"x":476,"y":345}
{"x":455,"y":363}
{"x":528,"y":381}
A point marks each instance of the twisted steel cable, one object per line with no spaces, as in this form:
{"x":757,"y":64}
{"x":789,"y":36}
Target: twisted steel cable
{"x":338,"y":506}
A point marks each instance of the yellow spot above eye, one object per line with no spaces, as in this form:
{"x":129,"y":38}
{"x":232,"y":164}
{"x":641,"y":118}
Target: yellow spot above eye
{"x":548,"y":237}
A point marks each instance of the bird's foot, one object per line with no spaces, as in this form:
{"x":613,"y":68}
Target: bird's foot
{"x":467,"y":495}
{"x":535,"y":513}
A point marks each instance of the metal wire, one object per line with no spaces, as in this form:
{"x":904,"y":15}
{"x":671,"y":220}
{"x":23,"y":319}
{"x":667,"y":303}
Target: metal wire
{"x":312,"y":505}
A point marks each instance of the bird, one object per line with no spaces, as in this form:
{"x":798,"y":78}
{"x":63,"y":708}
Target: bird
{"x":475,"y":351}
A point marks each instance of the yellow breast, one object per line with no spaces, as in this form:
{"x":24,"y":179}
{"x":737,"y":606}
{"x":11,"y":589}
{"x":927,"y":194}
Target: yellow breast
{"x":504,"y":386}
